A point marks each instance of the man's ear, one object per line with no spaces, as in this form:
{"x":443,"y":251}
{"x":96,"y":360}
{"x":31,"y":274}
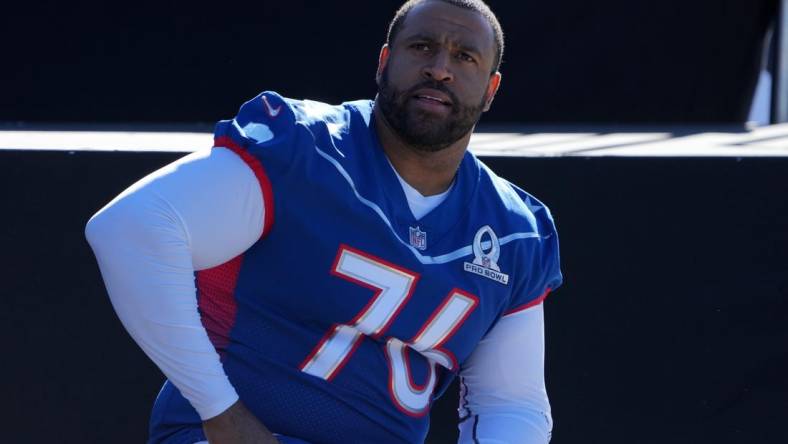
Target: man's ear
{"x":382,"y":61}
{"x":492,"y":89}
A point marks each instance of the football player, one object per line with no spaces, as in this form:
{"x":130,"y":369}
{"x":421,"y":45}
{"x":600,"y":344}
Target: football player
{"x":323,"y":272}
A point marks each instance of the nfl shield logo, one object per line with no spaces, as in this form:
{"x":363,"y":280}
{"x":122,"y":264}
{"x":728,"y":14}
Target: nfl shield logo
{"x":418,"y":238}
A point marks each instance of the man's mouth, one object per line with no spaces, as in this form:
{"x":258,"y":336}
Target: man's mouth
{"x":433,"y":96}
{"x":434,"y":99}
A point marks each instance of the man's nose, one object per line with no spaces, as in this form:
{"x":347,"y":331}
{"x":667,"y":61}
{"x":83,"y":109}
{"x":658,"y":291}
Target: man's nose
{"x":438,"y":68}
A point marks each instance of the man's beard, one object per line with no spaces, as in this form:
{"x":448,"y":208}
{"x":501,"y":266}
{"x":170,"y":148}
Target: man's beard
{"x":422,"y":130}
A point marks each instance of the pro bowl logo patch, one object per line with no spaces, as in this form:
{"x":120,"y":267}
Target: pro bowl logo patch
{"x":485,"y":262}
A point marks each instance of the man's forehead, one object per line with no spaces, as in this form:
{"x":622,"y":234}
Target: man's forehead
{"x":442,"y":20}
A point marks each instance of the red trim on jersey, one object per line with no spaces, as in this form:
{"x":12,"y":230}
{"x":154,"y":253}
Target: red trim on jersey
{"x":328,"y":335}
{"x":353,"y":323}
{"x":406,"y":351}
{"x":393,"y":396}
{"x":377,"y":291}
{"x":216,"y":301}
{"x":259,"y":172}
{"x":533,"y":303}
{"x":356,"y":345}
{"x":439,"y":345}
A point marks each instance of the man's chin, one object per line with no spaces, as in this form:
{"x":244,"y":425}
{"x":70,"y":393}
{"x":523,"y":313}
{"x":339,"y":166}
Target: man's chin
{"x":425,"y":121}
{"x":430,"y":139}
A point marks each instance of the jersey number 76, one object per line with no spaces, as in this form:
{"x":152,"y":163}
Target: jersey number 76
{"x":392,"y":287}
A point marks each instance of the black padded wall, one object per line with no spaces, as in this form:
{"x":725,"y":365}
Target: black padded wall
{"x":672,"y":324}
{"x":566,"y":61}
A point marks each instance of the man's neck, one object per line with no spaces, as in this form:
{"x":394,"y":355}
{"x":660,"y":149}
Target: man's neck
{"x":428,"y":172}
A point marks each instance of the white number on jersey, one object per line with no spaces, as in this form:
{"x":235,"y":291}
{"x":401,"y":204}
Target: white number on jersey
{"x":392,"y":287}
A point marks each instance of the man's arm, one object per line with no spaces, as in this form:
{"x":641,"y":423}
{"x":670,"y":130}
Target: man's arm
{"x":196,"y":213}
{"x":503,"y":397}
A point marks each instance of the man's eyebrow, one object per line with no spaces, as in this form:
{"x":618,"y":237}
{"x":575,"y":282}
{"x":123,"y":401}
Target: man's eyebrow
{"x":421,"y":36}
{"x":467,"y":47}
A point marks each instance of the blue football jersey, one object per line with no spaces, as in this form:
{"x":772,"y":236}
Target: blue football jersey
{"x":349,"y":317}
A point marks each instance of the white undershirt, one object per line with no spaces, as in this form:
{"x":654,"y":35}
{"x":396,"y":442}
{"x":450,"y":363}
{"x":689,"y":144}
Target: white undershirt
{"x":419,"y":204}
{"x":206,"y":209}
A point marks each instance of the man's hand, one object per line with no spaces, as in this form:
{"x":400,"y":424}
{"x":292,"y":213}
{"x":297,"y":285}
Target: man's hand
{"x":237,"y":425}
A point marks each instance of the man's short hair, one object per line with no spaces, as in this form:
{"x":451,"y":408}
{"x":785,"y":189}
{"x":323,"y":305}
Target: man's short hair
{"x":473,"y":5}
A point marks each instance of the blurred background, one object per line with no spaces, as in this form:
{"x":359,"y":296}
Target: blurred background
{"x":655,"y":131}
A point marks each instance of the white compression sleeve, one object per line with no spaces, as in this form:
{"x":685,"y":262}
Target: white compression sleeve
{"x":503,"y":397}
{"x":196,"y":213}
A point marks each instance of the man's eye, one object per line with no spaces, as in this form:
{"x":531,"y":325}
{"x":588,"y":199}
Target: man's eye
{"x":420,"y":46}
{"x":465,"y":57}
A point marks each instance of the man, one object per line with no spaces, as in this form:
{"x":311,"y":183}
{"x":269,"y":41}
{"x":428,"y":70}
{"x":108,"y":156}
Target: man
{"x":350,"y":260}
